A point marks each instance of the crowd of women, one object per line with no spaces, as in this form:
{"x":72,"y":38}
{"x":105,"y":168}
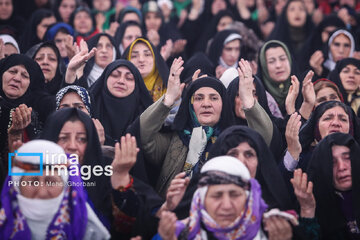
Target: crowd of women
{"x":217,"y":119}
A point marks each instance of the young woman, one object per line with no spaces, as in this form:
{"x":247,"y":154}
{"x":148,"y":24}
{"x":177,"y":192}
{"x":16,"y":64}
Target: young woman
{"x":35,"y":29}
{"x":84,"y":24}
{"x":151,"y":66}
{"x":63,"y":9}
{"x":346,"y":75}
{"x":120,"y":96}
{"x":126,"y":34}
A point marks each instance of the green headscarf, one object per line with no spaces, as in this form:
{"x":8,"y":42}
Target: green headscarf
{"x":179,"y":6}
{"x":278,"y":90}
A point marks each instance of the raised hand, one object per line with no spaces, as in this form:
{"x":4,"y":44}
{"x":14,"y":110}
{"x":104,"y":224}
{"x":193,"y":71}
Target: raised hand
{"x":304,"y":194}
{"x":100,"y":130}
{"x":176,"y":190}
{"x":316,"y":61}
{"x":124,"y":160}
{"x":292,"y":95}
{"x":292,"y":135}
{"x":246,"y":84}
{"x":309,"y":96}
{"x":174,"y":88}
{"x":78,"y":61}
{"x":71,"y":47}
{"x":167,"y":226}
{"x":166,"y":49}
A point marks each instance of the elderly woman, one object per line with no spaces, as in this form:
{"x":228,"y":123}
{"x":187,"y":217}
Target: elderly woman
{"x":53,"y":208}
{"x":75,"y":132}
{"x":346,"y":75}
{"x":226,"y":205}
{"x":202,"y":115}
{"x":334,"y":169}
{"x":327,"y":118}
{"x":22,"y":94}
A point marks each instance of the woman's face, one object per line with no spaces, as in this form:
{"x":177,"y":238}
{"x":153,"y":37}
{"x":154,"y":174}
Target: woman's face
{"x":72,"y":99}
{"x":49,"y":187}
{"x":59,"y":40}
{"x":73,"y":138}
{"x":43,"y":26}
{"x":48,"y":62}
{"x":105,"y":52}
{"x":83,"y":22}
{"x":207,"y":105}
{"x":142,"y":58}
{"x":217,"y":6}
{"x":121,"y":82}
{"x":350,"y":78}
{"x":231,"y":52}
{"x":326,"y":94}
{"x":334,"y":120}
{"x":340,"y":47}
{"x":224,"y":203}
{"x":341,"y":168}
{"x":296,"y":14}
{"x":66,"y":8}
{"x":247,"y":155}
{"x":9,"y":49}
{"x":6,"y":9}
{"x":278,"y":64}
{"x":224,"y":23}
{"x":152,"y":21}
{"x":131,"y":33}
{"x":15,"y":81}
{"x":102,"y":5}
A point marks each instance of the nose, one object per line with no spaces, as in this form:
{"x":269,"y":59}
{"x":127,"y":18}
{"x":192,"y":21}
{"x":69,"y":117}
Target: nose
{"x":206,"y":102}
{"x":336,"y":122}
{"x":226,"y":202}
{"x":42,"y":192}
{"x":141,"y":58}
{"x":341,"y":164}
{"x":277,"y":64}
{"x":72,"y":146}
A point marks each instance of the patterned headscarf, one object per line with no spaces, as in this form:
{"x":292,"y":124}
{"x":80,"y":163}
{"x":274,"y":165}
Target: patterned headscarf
{"x":225,"y":170}
{"x":84,"y":95}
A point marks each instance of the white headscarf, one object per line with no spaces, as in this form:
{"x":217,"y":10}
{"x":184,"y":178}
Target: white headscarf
{"x":38,"y":212}
{"x":10,"y":40}
{"x":330,"y":63}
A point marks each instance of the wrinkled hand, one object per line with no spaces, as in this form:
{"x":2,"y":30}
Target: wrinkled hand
{"x":246,"y":84}
{"x":316,"y":61}
{"x":167,"y":226}
{"x":278,"y":228}
{"x":304,"y":194}
{"x":174,"y":88}
{"x":166,"y":49}
{"x":308,"y":91}
{"x":176,"y":190}
{"x":100,"y":130}
{"x":21,"y":118}
{"x":292,"y":135}
{"x":124,"y":160}
{"x":292,"y":95}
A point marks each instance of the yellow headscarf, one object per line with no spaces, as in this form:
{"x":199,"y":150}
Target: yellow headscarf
{"x":153,"y":81}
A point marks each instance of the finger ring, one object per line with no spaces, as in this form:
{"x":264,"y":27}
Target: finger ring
{"x":173,"y":74}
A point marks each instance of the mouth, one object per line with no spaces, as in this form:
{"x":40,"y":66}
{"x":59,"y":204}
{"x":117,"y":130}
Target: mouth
{"x":45,"y":70}
{"x":334,"y":131}
{"x":14,"y":86}
{"x":206,"y":114}
{"x":345,"y":178}
{"x":119,"y":89}
{"x":350,"y":82}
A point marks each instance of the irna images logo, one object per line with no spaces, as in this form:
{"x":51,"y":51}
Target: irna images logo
{"x":34,"y":164}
